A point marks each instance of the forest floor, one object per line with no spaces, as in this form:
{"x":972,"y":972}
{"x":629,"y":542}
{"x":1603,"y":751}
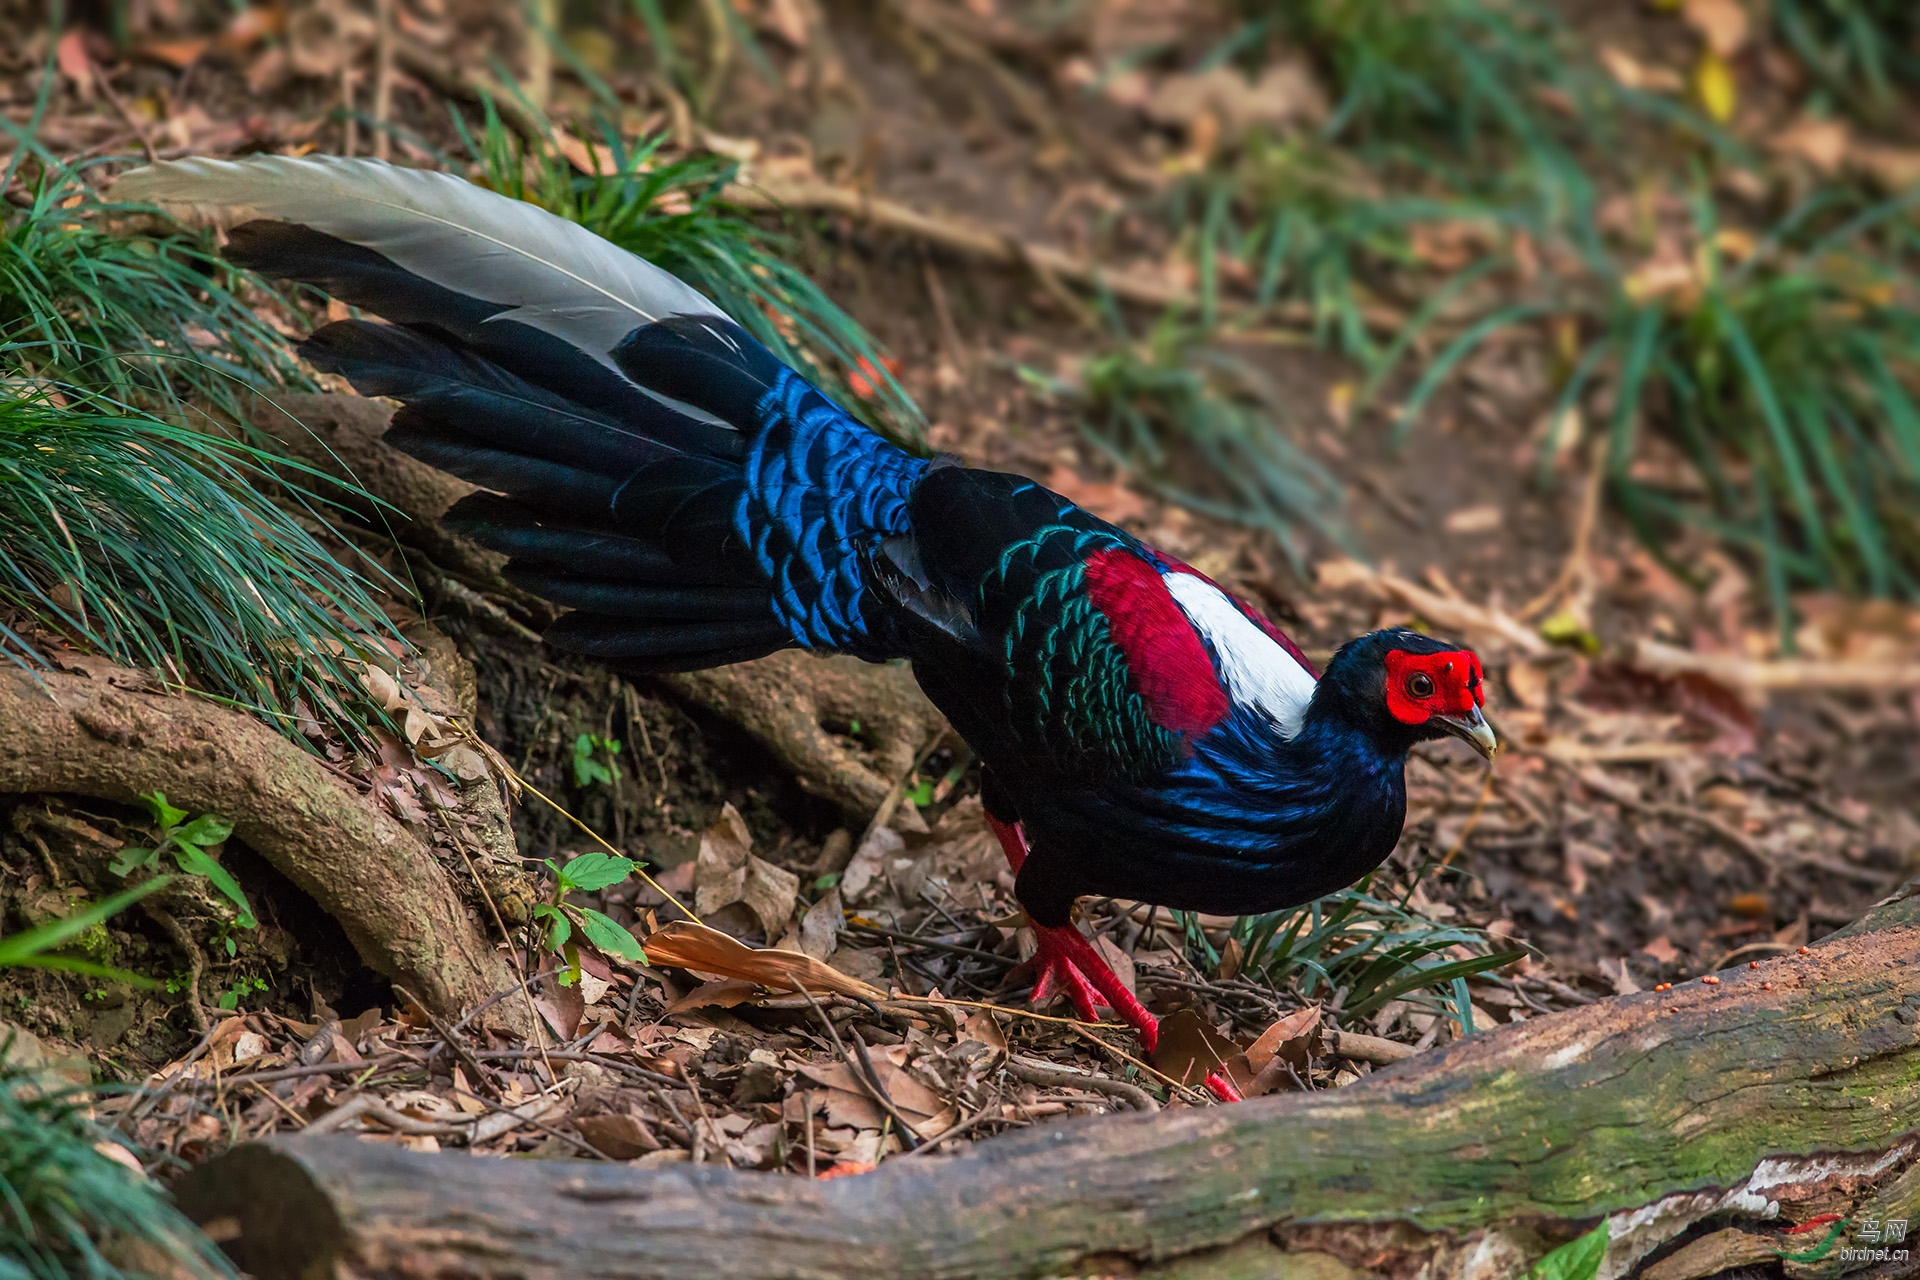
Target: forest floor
{"x":1649,"y":821}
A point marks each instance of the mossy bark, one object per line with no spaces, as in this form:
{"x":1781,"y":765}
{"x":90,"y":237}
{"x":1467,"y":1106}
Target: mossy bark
{"x":1669,"y":1112}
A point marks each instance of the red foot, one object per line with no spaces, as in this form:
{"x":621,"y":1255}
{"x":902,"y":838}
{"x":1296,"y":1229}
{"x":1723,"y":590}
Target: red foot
{"x":1221,"y":1087}
{"x":1067,"y":957}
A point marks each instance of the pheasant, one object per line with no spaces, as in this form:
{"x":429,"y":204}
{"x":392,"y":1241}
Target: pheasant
{"x":692,"y":501}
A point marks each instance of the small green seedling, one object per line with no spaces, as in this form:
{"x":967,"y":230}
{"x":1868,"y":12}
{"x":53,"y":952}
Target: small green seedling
{"x":233,"y":995}
{"x":587,"y":768}
{"x":188,"y":842}
{"x":588,"y":872}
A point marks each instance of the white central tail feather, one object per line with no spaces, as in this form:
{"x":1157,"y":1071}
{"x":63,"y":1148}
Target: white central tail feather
{"x":555,"y":275}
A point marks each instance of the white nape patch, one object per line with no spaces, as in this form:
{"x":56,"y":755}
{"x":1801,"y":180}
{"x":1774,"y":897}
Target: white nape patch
{"x":1258,"y":672}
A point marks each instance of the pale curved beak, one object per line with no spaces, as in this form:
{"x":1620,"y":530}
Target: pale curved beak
{"x":1472,"y":727}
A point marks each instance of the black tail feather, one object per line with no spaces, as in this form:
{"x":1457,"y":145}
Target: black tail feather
{"x":623,"y":599}
{"x":543,"y":485}
{"x":598,"y":636}
{"x":475,"y":398}
{"x":502,"y":525}
{"x":704,"y":361}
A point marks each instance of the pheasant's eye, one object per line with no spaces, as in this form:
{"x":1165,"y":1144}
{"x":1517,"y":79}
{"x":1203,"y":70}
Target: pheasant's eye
{"x":1419,"y":685}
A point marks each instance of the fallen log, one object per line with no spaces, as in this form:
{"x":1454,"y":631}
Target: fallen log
{"x":1775,"y":1096}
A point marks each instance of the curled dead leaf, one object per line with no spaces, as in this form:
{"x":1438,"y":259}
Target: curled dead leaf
{"x":686,"y":945}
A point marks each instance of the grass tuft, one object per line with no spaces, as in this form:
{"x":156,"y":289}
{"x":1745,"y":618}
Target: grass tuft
{"x":68,"y":1211}
{"x":152,"y":543}
{"x":127,"y":525}
{"x":1203,"y":428}
{"x":147,"y":319}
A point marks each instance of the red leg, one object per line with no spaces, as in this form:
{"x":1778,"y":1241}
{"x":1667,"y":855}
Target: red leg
{"x":1067,"y":961}
{"x":1013,"y":841}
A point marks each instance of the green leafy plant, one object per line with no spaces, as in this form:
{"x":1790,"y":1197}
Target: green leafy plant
{"x":1575,"y":1260}
{"x":240,"y":990}
{"x":188,"y":842}
{"x":673,"y":211}
{"x":588,"y":769}
{"x":588,"y":873}
{"x":1360,"y":947}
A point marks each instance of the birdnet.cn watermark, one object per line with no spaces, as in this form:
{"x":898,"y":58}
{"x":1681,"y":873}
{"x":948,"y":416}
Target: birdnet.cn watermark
{"x":1872,"y":1240}
{"x":1851,"y":1240}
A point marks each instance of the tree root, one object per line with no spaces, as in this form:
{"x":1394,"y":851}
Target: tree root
{"x":105,"y":738}
{"x":1783,"y":1096}
{"x":793,"y":701}
{"x":797,"y":705}
{"x":196,"y":959}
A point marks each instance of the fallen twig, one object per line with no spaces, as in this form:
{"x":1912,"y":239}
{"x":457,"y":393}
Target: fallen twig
{"x":1760,"y":676}
{"x":1032,"y":1072}
{"x":1356,"y":1047}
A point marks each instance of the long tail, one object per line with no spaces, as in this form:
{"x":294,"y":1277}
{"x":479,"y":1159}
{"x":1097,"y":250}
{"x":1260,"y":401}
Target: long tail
{"x":693,"y":500}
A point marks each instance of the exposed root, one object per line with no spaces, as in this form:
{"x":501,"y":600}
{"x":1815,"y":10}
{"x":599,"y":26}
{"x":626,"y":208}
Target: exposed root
{"x":789,"y":701}
{"x":196,"y":959}
{"x":102,"y":737}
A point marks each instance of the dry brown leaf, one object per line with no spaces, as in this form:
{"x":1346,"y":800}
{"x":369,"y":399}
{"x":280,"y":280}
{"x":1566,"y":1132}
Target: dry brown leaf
{"x":723,"y":846}
{"x":1290,"y":1038}
{"x":1662,"y":950}
{"x":1285,"y":94}
{"x":562,"y":1008}
{"x":769,"y":892}
{"x":1631,"y":73}
{"x":721,"y":993}
{"x":1481,"y":519}
{"x":1113,"y":502}
{"x":1528,"y":684}
{"x":819,"y":931}
{"x":1723,"y":24}
{"x":178,"y":54}
{"x":1895,"y":169}
{"x":985,"y":1028}
{"x":463,"y":1096}
{"x":686,"y":945}
{"x":786,"y":19}
{"x":622,"y":1136}
{"x":581,"y":154}
{"x":1189,"y":1050}
{"x":881,"y":847}
{"x":1821,"y":143}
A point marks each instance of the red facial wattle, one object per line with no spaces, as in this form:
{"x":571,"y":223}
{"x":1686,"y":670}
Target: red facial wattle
{"x":1423,"y":685}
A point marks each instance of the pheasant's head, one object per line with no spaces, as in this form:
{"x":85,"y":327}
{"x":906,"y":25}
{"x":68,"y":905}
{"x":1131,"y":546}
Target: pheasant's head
{"x":1405,"y":688}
